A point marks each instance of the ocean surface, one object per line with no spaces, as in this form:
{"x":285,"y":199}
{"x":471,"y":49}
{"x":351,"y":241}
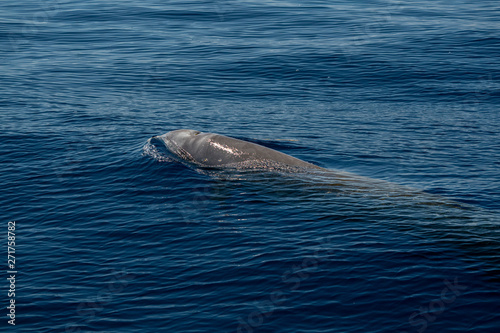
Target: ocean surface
{"x":111,"y":235}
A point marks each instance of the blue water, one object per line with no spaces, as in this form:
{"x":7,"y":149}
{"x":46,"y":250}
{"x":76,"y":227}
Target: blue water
{"x":113,"y":238}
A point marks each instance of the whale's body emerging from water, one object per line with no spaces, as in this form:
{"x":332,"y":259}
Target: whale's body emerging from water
{"x":214,"y":150}
{"x":210,"y":150}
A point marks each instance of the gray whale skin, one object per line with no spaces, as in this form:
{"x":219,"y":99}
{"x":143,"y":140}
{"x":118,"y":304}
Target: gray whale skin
{"x":215,"y":150}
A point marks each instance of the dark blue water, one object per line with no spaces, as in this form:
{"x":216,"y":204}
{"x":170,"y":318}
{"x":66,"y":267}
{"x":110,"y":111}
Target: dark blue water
{"x":113,"y":238}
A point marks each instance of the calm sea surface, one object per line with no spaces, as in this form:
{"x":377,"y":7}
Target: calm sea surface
{"x":112,"y":236}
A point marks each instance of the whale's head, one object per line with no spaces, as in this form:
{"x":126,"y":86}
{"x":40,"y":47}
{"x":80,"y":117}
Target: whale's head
{"x":181,"y":142}
{"x":207,"y":149}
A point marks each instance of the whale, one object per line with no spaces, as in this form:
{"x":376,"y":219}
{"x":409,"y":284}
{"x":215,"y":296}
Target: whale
{"x":215,"y":151}
{"x":212,"y":150}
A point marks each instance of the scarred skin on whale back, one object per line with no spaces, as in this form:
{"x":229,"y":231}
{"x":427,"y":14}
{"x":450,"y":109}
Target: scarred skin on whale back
{"x":214,"y":150}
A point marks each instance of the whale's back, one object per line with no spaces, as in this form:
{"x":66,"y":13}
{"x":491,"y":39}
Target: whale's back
{"x":219,"y":150}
